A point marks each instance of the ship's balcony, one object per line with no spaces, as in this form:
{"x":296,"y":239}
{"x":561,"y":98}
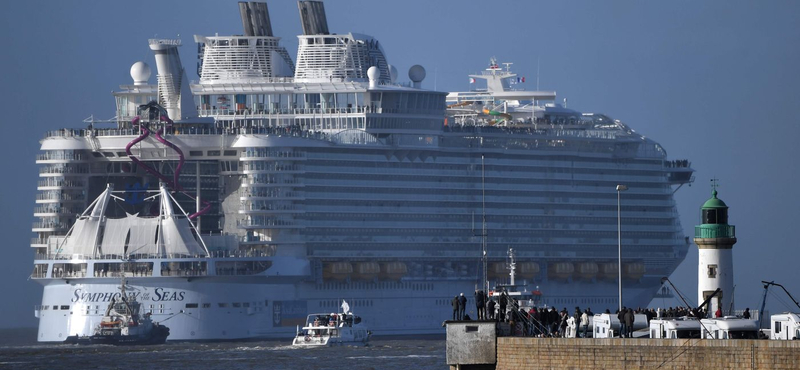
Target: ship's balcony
{"x":55,"y":210}
{"x":48,"y":226}
{"x":56,"y":183}
{"x":59,"y":198}
{"x":58,"y":157}
{"x":706,"y":231}
{"x":38,"y":242}
{"x":269,"y":223}
{"x":224,"y":111}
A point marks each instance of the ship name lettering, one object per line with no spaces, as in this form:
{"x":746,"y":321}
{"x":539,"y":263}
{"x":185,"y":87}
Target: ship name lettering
{"x":167,"y":295}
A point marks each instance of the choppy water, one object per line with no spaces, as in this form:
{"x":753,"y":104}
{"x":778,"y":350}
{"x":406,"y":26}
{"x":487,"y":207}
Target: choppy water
{"x":19,"y":350}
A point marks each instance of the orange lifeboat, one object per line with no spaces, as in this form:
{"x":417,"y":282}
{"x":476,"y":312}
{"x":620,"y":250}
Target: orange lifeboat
{"x":392,"y":270}
{"x":560,"y":270}
{"x":608,"y":271}
{"x":366,"y":270}
{"x":337,"y":270}
{"x":633,"y":271}
{"x":587,"y":270}
{"x":528,"y":270}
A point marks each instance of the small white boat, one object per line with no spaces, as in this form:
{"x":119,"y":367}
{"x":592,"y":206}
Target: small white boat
{"x":329,"y":329}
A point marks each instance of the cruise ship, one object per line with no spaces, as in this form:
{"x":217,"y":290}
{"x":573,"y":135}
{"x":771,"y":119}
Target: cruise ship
{"x":269,"y":188}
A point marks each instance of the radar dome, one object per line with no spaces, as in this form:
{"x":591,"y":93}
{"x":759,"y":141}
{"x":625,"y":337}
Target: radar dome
{"x":393,"y":73}
{"x":140,"y":72}
{"x":416,"y":73}
{"x":373,"y":73}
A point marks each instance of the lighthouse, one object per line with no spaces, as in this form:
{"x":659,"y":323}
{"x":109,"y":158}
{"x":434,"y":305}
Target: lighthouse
{"x":715,"y":239}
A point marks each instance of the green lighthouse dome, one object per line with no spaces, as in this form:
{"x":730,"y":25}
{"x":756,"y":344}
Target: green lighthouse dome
{"x":714,"y":202}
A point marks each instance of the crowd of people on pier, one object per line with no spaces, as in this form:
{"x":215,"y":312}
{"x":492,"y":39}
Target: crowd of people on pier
{"x":550,"y":322}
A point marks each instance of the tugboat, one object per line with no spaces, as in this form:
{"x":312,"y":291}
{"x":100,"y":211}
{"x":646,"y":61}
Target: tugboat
{"x":122,"y":325}
{"x":328,"y":329}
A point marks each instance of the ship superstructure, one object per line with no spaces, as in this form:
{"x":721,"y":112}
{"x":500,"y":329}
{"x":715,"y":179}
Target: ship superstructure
{"x":327,"y":179}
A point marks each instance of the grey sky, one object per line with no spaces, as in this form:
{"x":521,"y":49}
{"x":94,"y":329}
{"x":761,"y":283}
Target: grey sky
{"x":714,"y":82}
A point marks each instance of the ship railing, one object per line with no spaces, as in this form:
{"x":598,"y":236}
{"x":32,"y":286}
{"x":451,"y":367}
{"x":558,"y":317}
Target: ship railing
{"x":214,"y":111}
{"x":60,"y":156}
{"x":678,"y":163}
{"x":244,"y":253}
{"x":714,"y":231}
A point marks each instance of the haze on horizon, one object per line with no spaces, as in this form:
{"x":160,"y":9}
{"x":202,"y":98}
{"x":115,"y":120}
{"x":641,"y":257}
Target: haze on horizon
{"x":713,"y":82}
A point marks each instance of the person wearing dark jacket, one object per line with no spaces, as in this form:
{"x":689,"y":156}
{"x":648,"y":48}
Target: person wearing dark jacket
{"x":462,"y":306}
{"x":622,"y":327}
{"x":480,"y":304}
{"x":490,"y":308}
{"x":746,"y":314}
{"x":501,"y":316}
{"x":455,"y":308}
{"x":629,"y":319}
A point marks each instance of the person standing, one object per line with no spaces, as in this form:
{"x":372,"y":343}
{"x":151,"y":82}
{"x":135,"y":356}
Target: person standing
{"x":621,"y":317}
{"x":462,"y":306}
{"x":480,"y":304}
{"x":629,"y":319}
{"x":746,"y":313}
{"x":490,"y":308}
{"x":503,"y":304}
{"x":584,"y":323}
{"x":455,"y":308}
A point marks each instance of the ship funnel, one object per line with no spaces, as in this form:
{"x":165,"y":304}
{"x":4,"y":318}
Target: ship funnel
{"x":312,"y":17}
{"x":255,"y":19}
{"x":173,"y":85}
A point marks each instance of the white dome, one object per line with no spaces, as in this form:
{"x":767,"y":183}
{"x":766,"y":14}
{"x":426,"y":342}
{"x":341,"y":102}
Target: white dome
{"x":416,"y":73}
{"x":140,"y":72}
{"x":373,"y":73}
{"x":393,"y":73}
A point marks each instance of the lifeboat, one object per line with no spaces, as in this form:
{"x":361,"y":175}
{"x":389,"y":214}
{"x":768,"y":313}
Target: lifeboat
{"x":528,"y":270}
{"x":608,"y":271}
{"x":497,"y":270}
{"x":337,"y":270}
{"x":392,"y":270}
{"x":560,"y":270}
{"x":587,"y":270}
{"x":366,"y":270}
{"x":633,"y":271}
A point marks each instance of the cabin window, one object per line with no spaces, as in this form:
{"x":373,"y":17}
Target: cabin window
{"x":196,"y":153}
{"x":712,"y":271}
{"x":777,"y":327}
{"x":64,"y":307}
{"x":206,"y":305}
{"x":223,"y":305}
{"x":191,"y":305}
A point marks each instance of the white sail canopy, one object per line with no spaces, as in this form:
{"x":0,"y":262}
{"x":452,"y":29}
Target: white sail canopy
{"x":168,"y":234}
{"x":82,"y":239}
{"x":178,"y":239}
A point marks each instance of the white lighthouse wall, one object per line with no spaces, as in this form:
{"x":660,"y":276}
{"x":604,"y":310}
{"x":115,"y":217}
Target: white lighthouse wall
{"x":723,"y":259}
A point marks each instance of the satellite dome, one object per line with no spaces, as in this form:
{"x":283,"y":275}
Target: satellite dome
{"x":416,"y":73}
{"x":373,"y":73}
{"x":140,"y":72}
{"x":393,"y":73}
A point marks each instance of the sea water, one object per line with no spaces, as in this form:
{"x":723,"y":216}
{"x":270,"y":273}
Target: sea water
{"x":19,"y":350}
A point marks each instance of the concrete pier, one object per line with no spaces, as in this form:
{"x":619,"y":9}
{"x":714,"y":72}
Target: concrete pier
{"x":481,"y":345}
{"x":669,"y":354}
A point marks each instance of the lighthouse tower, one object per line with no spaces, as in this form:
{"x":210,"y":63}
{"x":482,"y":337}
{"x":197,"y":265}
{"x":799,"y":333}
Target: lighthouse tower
{"x":715,"y":240}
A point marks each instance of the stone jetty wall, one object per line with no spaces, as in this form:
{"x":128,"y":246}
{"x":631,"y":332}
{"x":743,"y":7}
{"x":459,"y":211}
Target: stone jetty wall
{"x":515,"y":353}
